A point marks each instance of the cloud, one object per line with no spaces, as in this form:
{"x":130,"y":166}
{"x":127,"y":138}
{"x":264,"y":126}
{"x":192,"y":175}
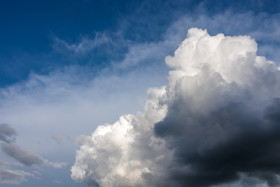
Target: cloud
{"x":7,"y":133}
{"x":23,"y":156}
{"x":215,"y":123}
{"x":13,"y":176}
{"x":55,"y":164}
{"x":27,"y":157}
{"x":82,"y":99}
{"x":61,"y":138}
{"x":85,"y":45}
{"x":229,"y":21}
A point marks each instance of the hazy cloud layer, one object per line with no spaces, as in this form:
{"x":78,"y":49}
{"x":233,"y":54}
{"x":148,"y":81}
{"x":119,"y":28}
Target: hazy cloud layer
{"x":216,"y":122}
{"x":13,"y":177}
{"x":61,"y":138}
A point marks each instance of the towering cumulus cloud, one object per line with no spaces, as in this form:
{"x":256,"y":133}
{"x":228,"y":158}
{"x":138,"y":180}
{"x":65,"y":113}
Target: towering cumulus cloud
{"x":216,"y":122}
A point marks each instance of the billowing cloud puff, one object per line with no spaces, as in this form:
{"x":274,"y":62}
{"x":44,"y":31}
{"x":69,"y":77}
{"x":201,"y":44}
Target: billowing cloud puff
{"x":216,"y":122}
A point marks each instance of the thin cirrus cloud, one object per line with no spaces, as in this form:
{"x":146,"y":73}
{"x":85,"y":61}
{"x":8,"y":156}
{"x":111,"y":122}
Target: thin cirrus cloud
{"x":13,"y":176}
{"x":216,"y":122}
{"x":227,"y":22}
{"x":83,"y":47}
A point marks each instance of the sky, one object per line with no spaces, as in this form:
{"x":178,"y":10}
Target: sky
{"x":139,"y":93}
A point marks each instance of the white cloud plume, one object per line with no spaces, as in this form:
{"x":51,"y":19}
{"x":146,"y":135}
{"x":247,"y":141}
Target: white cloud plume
{"x":216,"y":118}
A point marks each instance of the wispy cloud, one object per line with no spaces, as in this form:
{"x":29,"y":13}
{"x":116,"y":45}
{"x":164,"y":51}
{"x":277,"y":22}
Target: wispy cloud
{"x":129,"y":53}
{"x":13,"y":176}
{"x":61,"y":138}
{"x":82,"y":47}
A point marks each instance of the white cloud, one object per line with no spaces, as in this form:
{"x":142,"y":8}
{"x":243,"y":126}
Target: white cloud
{"x":236,"y":23}
{"x":213,"y":120}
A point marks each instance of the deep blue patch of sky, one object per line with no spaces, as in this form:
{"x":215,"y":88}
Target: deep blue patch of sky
{"x":28,"y":28}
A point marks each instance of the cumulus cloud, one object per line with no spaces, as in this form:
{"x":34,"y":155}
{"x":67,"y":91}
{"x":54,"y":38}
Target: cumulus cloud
{"x":216,"y":122}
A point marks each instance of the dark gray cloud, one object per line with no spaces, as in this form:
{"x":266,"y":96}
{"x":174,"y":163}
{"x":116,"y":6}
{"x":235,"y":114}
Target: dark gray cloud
{"x":214,"y":148}
{"x":7,"y":133}
{"x":23,"y":156}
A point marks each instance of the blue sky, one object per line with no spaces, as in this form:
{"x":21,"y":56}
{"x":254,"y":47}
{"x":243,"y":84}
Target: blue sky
{"x":68,"y":66}
{"x":29,"y":29}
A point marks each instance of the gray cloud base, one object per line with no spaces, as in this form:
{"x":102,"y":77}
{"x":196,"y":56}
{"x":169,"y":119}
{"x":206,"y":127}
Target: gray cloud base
{"x":7,"y":133}
{"x":23,"y":156}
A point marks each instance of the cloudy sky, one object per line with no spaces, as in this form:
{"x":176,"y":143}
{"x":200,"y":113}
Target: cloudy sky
{"x":139,"y":93}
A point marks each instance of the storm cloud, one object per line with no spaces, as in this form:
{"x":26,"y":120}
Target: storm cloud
{"x":216,"y":121}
